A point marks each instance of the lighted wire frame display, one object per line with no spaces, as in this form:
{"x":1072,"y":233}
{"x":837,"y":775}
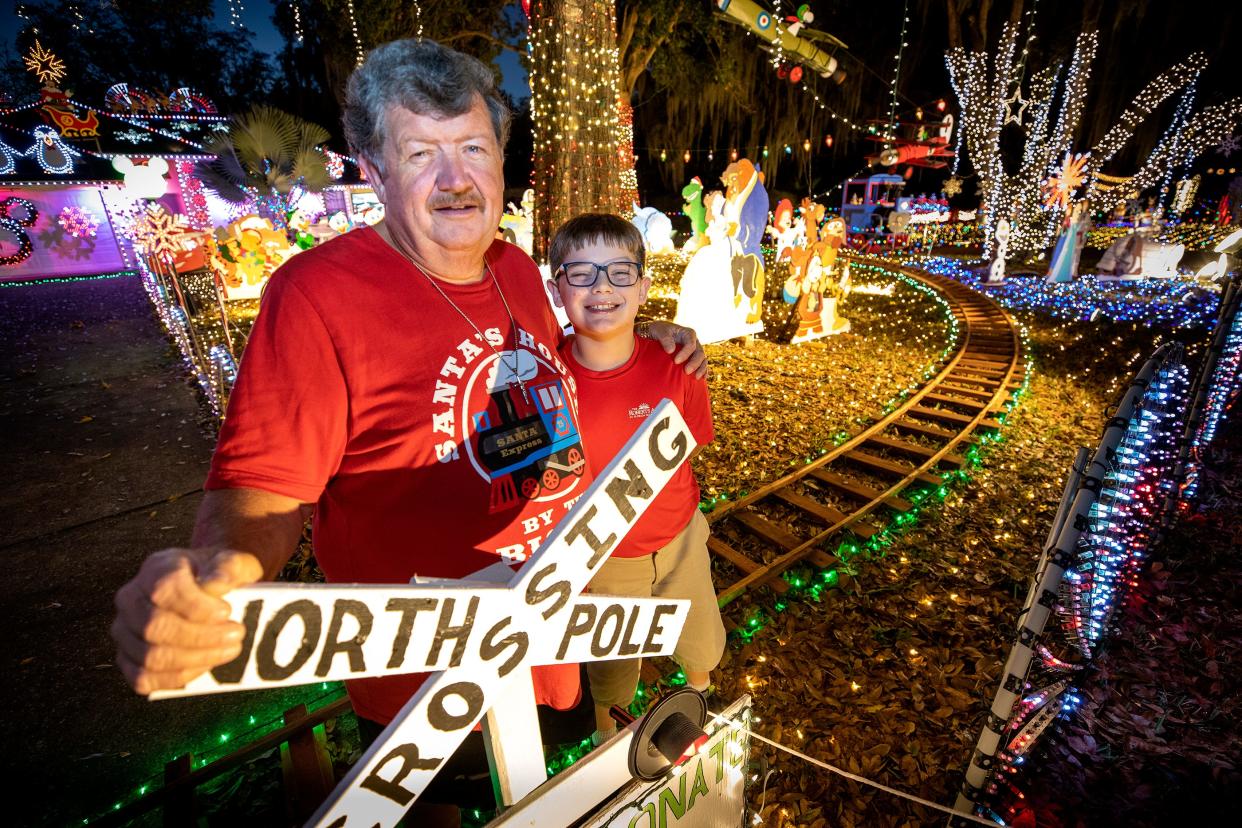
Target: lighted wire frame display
{"x":1216,"y":389}
{"x":1110,"y":512}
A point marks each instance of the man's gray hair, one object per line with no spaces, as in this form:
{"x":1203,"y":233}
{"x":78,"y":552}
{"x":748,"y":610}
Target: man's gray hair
{"x":425,"y":78}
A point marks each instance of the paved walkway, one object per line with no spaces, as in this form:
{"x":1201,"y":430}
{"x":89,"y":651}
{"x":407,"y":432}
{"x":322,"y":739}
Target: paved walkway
{"x":104,"y":442}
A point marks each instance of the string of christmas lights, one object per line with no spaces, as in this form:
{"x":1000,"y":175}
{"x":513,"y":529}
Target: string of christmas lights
{"x":296,"y":5}
{"x":1217,"y":388}
{"x":17,"y":225}
{"x":235,"y":12}
{"x":892,"y":101}
{"x":1111,"y":508}
{"x":353,"y":27}
{"x":579,"y":139}
{"x":1166,"y":303}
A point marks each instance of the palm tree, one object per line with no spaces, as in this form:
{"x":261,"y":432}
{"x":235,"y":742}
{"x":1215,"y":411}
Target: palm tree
{"x":270,"y":156}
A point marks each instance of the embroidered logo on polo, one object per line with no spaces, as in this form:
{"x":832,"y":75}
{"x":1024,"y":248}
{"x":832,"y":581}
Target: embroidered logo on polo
{"x":518,"y":414}
{"x":640,"y":411}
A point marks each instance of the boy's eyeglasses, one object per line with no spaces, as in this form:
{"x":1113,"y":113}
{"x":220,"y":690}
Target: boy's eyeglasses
{"x":586,"y":274}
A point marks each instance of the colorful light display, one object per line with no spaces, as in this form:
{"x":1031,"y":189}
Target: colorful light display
{"x":77,"y":222}
{"x":1112,"y":507}
{"x":982,"y":92}
{"x":1216,"y":389}
{"x":17,"y":224}
{"x":1167,"y":303}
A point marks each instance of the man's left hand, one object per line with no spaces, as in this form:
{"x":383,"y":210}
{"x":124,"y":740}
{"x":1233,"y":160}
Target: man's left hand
{"x":683,"y":344}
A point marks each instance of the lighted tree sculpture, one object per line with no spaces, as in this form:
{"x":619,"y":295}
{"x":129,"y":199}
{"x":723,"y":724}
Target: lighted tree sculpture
{"x":583,"y":159}
{"x":988,"y":87}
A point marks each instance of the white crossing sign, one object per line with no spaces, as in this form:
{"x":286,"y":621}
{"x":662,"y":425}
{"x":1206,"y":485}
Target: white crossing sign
{"x":475,"y":635}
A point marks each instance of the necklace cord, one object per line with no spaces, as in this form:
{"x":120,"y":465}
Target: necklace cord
{"x":514,"y":366}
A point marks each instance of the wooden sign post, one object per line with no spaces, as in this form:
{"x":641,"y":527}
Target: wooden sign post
{"x":472,"y":636}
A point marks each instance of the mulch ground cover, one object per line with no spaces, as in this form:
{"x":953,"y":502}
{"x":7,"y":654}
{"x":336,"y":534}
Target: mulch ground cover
{"x":889,"y":673}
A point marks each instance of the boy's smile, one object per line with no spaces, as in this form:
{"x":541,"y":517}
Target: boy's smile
{"x":603,"y":310}
{"x":602,"y":314}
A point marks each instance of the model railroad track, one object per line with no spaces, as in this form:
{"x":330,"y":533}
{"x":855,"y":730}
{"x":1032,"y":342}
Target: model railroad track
{"x":857,"y":486}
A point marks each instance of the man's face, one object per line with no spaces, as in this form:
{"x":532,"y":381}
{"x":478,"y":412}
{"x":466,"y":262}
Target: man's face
{"x":443,"y":184}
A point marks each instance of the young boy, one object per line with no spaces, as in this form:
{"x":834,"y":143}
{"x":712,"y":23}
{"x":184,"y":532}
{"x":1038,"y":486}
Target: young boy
{"x":597,"y":277}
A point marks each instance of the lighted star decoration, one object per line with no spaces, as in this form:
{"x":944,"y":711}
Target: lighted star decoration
{"x":48,"y":68}
{"x":1230,"y":145}
{"x":78,"y":222}
{"x":158,"y":232}
{"x":1015,"y":107}
{"x":952,"y":186}
{"x":1060,"y":186}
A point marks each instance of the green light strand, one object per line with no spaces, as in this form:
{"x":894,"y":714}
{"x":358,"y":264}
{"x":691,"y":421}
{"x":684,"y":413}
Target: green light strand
{"x":57,"y":280}
{"x":256,"y":729}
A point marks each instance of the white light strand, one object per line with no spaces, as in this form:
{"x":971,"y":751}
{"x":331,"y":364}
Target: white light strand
{"x":892,"y":104}
{"x":778,"y":53}
{"x":235,"y":12}
{"x":297,"y":19}
{"x":1180,"y":117}
{"x":1030,"y":40}
{"x":353,"y":25}
{"x":418,"y":20}
{"x":820,"y":103}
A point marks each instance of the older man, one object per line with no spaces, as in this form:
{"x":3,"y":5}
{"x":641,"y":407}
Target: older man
{"x":401,"y":382}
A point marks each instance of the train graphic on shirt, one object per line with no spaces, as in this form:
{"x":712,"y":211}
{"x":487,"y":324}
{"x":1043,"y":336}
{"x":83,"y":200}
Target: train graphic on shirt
{"x":527,"y":442}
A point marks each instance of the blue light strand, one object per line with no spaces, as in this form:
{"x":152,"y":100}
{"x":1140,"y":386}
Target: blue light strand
{"x":1165,"y":303}
{"x":1127,"y":512}
{"x":1224,"y":386}
{"x":1123,"y":518}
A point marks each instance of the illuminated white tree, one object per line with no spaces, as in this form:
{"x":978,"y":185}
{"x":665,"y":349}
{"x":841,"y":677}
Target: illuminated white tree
{"x":983,"y":95}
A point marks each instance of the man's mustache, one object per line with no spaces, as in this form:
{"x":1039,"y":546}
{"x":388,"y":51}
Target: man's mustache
{"x":439,"y":202}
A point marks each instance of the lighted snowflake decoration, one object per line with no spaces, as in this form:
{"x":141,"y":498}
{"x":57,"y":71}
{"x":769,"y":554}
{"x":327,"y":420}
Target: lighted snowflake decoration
{"x":1230,"y":145}
{"x":78,"y":222}
{"x":1060,"y":186}
{"x":133,"y":136}
{"x":159,"y":232}
{"x":952,"y":186}
{"x":48,"y":68}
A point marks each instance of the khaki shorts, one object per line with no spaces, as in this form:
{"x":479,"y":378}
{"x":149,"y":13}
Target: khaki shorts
{"x":681,"y":569}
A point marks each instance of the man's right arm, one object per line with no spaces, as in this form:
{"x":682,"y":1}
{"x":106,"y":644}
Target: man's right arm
{"x":171,"y":623}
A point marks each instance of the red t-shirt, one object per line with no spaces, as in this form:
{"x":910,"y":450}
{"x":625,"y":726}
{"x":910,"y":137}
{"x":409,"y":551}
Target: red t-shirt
{"x":364,"y":391}
{"x":614,"y":404}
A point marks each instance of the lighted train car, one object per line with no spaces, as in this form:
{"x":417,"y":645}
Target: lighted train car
{"x":866,"y":202}
{"x":528,"y":448}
